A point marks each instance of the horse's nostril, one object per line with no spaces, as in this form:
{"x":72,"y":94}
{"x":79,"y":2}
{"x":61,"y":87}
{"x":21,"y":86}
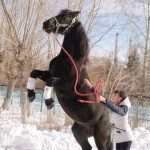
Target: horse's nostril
{"x":44,"y":24}
{"x":48,"y":26}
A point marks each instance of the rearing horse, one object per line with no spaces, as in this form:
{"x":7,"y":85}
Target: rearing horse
{"x":89,"y":119}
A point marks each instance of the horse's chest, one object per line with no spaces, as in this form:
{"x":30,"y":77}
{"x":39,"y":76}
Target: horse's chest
{"x":59,"y":67}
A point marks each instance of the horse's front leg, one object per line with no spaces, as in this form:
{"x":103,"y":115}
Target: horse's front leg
{"x":43,"y":75}
{"x":48,"y":90}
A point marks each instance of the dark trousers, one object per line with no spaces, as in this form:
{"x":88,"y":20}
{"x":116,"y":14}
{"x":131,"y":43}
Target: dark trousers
{"x":123,"y":145}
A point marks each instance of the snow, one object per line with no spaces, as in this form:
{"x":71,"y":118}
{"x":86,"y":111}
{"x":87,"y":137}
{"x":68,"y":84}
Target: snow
{"x":17,"y":136}
{"x":141,"y":139}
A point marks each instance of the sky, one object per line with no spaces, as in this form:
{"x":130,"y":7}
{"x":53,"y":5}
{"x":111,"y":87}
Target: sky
{"x":110,"y":12}
{"x":113,"y":12}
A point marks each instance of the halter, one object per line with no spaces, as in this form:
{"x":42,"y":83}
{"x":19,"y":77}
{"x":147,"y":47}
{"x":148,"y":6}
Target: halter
{"x":58,"y":25}
{"x":98,"y":84}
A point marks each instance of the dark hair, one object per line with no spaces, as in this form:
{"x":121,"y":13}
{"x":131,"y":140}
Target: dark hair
{"x":122,"y":94}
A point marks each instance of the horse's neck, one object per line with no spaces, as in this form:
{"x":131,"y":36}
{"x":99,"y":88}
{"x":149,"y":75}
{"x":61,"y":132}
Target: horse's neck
{"x":76,"y":43}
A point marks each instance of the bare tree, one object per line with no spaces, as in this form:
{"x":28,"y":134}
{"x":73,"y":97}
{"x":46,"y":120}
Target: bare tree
{"x":22,"y":51}
{"x":141,"y":29}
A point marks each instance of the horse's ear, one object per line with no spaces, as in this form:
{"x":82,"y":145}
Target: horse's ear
{"x":75,"y":13}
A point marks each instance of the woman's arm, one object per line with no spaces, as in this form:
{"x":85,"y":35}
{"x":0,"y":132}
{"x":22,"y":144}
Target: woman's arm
{"x":120,"y":110}
{"x":87,"y":82}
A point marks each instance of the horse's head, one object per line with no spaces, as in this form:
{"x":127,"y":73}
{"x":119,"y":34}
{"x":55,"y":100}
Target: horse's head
{"x":61,"y":23}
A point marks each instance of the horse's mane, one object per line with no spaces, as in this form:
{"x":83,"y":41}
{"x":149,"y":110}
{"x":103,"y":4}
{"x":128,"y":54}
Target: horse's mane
{"x":83,"y":52}
{"x":65,"y":11}
{"x":77,"y":35}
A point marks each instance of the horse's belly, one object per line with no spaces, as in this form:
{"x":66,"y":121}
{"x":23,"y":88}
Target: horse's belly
{"x":81,"y":113}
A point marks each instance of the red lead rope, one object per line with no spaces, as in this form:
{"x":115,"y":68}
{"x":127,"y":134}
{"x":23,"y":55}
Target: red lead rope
{"x":98,"y":84}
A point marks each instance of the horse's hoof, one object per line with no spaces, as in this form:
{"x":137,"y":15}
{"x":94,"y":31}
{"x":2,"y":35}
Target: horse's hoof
{"x":49,"y":103}
{"x":31,"y":95}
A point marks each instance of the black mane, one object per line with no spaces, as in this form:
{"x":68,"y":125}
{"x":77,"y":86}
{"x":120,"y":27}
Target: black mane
{"x":65,"y":11}
{"x":76,"y":43}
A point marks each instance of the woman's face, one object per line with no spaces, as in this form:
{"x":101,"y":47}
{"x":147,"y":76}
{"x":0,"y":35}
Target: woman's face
{"x":116,"y":99}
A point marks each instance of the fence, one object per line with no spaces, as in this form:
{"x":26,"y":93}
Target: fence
{"x":139,"y":114}
{"x":40,"y":113}
{"x":17,"y":99}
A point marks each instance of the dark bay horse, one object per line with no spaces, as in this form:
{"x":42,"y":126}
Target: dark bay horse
{"x":89,"y":119}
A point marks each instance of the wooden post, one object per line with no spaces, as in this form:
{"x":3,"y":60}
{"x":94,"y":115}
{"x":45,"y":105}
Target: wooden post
{"x":137,"y":108}
{"x":29,"y":108}
{"x":147,"y":106}
{"x":41,"y":102}
{"x":49,"y":112}
{"x":49,"y":116}
{"x":0,"y":97}
{"x":68,"y":120}
{"x":116,"y":51}
{"x":23,"y":103}
{"x":130,"y":48}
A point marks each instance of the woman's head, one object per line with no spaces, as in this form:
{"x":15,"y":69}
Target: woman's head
{"x":118,"y":96}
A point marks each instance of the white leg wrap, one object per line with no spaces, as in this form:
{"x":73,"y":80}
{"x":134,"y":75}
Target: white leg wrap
{"x":48,"y":92}
{"x":31,"y":83}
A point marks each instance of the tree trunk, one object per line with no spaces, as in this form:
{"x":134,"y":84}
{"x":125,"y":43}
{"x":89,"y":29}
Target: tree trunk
{"x":11,"y":85}
{"x":0,"y":96}
{"x":146,"y":50}
{"x":0,"y":103}
{"x":68,"y":120}
{"x":23,"y":103}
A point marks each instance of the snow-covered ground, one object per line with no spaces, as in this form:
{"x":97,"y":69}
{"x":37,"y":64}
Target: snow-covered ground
{"x":17,"y":136}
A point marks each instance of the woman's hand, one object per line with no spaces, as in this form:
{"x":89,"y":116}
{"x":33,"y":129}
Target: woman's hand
{"x":87,"y":82}
{"x":102,"y":99}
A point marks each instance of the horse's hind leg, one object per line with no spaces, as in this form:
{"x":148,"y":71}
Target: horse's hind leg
{"x":102,"y":136}
{"x":81,"y":134}
{"x":109,"y":144}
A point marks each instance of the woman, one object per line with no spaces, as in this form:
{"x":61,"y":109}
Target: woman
{"x":121,"y":132}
